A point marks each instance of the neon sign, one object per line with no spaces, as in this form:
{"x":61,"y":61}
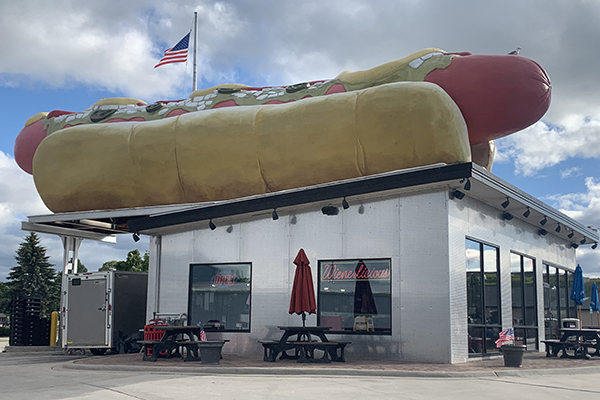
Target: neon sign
{"x":332,"y":272}
{"x":224,"y":279}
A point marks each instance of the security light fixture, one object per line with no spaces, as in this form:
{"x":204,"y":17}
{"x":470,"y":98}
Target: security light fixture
{"x":570,"y":235}
{"x":527,"y":212}
{"x":506,"y":203}
{"x":274,"y":215}
{"x":574,"y":245}
{"x":345,"y":204}
{"x":330,"y":210}
{"x":507,"y":216}
{"x":543,"y":222}
{"x":458,"y":194}
{"x":467,"y":181}
{"x":543,"y":232}
{"x":212,"y":225}
{"x":229,"y":229}
{"x":594,"y":246}
{"x":136,"y":237}
{"x":557,"y":230}
{"x":582,"y":241}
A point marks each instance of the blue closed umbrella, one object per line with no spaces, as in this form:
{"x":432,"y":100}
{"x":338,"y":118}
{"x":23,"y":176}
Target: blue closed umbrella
{"x":578,"y":290}
{"x":595,"y":302}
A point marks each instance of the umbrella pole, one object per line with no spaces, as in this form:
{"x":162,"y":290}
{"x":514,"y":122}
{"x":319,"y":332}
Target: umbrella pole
{"x":579,"y":313}
{"x":598,"y":316}
{"x":303,"y":319}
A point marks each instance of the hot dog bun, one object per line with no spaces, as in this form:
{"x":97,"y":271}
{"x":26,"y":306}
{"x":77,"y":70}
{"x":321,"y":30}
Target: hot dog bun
{"x":240,"y":151}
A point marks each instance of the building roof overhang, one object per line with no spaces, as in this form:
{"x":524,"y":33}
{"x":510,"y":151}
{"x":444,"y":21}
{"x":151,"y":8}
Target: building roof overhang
{"x":484,"y":186}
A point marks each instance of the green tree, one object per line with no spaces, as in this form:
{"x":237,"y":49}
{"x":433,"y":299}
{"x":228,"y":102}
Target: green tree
{"x":4,"y":298}
{"x":134,"y":262}
{"x":34,"y":275}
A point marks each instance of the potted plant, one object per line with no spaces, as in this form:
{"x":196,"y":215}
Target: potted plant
{"x":513,"y":353}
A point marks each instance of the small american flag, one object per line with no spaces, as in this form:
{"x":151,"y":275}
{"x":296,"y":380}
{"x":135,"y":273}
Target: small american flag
{"x":176,"y":54}
{"x":202,"y":334}
{"x":507,"y":335}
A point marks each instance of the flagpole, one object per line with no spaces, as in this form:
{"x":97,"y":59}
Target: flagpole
{"x":195,"y":47}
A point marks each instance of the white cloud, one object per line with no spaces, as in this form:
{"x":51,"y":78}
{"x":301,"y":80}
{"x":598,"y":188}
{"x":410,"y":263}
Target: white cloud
{"x":585,"y":208}
{"x":543,"y":145}
{"x":570,"y":172}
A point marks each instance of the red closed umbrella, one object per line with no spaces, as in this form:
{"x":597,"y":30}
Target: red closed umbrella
{"x":303,"y":291}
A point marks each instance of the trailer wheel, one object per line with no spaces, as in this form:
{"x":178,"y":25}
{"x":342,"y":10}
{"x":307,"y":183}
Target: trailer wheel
{"x":98,"y":352}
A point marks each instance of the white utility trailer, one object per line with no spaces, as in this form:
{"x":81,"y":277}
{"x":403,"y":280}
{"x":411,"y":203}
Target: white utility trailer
{"x":101,"y":310}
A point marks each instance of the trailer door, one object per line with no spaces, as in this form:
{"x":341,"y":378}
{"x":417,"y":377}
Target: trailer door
{"x":87,"y":311}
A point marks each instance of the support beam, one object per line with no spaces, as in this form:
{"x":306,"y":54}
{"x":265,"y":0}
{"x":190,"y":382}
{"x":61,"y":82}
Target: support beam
{"x":73,"y":233}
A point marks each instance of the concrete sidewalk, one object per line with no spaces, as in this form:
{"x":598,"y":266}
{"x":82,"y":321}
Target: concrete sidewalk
{"x":533,"y":364}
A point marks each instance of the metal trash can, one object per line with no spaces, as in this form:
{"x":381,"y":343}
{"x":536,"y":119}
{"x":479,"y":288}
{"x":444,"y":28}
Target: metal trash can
{"x":513,"y":355}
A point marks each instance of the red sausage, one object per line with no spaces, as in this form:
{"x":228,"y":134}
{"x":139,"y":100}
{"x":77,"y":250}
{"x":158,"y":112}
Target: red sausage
{"x":497,"y":95}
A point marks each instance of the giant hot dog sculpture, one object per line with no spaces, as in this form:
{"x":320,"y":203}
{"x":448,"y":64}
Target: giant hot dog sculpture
{"x":232,"y":141}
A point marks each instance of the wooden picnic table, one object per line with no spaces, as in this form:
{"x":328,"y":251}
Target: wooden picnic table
{"x":576,"y":340}
{"x":304,"y":340}
{"x":176,"y":337}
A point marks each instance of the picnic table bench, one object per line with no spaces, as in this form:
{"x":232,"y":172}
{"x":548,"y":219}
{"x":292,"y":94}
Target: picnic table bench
{"x":194,"y":350}
{"x":580,"y":349}
{"x":304,"y":350}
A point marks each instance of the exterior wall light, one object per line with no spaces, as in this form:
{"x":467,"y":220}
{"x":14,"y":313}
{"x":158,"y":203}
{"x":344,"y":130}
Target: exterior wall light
{"x":527,"y":212}
{"x":557,"y":230}
{"x":330,"y":210}
{"x":543,"y":222}
{"x":506,"y":203}
{"x":212,"y":225}
{"x":458,"y":194}
{"x":507,"y":216}
{"x":543,"y":232}
{"x":345,"y":204}
{"x":467,"y":181}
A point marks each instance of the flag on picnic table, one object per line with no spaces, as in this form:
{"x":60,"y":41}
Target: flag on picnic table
{"x":202,"y":333}
{"x":176,"y":54}
{"x":507,"y":335}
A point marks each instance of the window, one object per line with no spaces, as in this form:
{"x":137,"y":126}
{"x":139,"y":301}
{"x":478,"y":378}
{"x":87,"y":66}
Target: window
{"x":524,"y":303}
{"x":483,"y":297}
{"x":219,"y":296}
{"x":557,"y":304}
{"x":355,"y":296}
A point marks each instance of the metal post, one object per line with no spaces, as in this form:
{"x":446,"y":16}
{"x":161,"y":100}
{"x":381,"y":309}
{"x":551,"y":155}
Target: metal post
{"x":195,"y":47}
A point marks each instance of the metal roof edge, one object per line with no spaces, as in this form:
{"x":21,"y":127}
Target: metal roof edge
{"x":512,"y":192}
{"x":328,"y":191}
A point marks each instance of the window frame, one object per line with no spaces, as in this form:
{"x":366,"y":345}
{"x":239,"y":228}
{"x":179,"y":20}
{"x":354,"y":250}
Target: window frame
{"x":387,"y":332}
{"x":485,"y":327}
{"x":526,"y":327}
{"x":190,"y":285}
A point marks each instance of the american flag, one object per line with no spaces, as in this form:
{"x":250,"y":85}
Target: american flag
{"x":177,"y":54}
{"x":202,"y":334}
{"x":507,"y":335}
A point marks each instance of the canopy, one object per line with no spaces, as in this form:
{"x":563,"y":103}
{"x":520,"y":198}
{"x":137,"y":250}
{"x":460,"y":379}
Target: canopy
{"x":594,"y":301}
{"x":303,"y":292}
{"x":578,"y":289}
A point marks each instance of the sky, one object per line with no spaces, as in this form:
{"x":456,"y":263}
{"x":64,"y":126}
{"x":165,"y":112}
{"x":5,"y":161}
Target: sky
{"x":67,"y":54}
